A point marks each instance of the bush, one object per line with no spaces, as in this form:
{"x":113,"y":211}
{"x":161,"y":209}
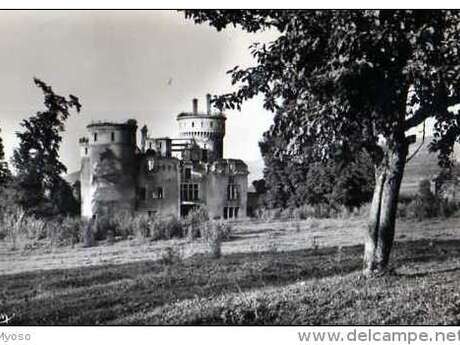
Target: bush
{"x":213,"y":233}
{"x":195,"y":221}
{"x":166,"y":228}
{"x":425,"y":205}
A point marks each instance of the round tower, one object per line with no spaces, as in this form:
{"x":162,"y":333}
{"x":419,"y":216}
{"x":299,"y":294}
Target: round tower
{"x":206,"y":129}
{"x":110,"y":152}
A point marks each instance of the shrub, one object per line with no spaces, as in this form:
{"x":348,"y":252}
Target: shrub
{"x":426,"y":205}
{"x":170,"y":256}
{"x":214,"y":232}
{"x":166,"y":228}
{"x":195,"y":221}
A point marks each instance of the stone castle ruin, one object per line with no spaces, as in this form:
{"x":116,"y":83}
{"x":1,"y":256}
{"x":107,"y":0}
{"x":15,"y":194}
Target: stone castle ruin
{"x":164,"y":176}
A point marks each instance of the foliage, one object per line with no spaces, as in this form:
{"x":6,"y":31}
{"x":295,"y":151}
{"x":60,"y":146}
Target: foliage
{"x":195,"y":220}
{"x":214,"y":232}
{"x":353,"y":80}
{"x":5,"y":173}
{"x":24,"y":231}
{"x":341,"y":75}
{"x":41,"y":188}
{"x":294,"y":181}
{"x":427,"y":205}
{"x":123,"y":225}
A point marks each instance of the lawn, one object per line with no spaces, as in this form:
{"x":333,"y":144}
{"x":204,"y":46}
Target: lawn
{"x":270,"y":273}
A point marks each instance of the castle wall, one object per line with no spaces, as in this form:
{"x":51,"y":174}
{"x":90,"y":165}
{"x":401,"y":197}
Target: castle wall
{"x":162,"y":173}
{"x":110,"y":169}
{"x":219,"y":204}
{"x":116,"y":176}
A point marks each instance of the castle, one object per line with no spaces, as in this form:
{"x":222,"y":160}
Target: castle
{"x":164,"y":176}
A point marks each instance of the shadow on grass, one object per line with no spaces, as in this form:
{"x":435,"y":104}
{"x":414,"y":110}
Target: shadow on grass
{"x":98,"y":294}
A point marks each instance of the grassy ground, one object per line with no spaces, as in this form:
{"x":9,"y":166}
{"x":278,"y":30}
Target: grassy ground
{"x":278,"y":273}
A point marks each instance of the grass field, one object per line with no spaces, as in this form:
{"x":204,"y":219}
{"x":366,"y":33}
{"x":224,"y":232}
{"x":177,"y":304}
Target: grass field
{"x":270,"y":273}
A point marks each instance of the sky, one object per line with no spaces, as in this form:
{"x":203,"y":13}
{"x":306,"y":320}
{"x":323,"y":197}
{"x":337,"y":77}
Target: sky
{"x":146,"y":65}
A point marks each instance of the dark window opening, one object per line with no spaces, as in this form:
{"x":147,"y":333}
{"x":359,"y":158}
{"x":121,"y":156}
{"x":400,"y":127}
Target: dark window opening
{"x":225,"y":212}
{"x":189,"y":192}
{"x":142,"y":193}
{"x":233,"y":192}
{"x":205,"y":156}
{"x":86,"y":150}
{"x":112,"y":136}
{"x":95,"y":136}
{"x":188,"y":173}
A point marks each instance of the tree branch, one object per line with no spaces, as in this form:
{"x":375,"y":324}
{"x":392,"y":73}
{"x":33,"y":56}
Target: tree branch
{"x":418,"y":148}
{"x":418,"y":118}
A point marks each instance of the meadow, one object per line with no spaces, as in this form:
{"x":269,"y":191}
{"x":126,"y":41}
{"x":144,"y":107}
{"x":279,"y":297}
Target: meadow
{"x":270,"y":272}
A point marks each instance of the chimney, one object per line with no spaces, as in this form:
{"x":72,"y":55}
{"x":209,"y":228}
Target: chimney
{"x":208,"y":103}
{"x":195,"y":106}
{"x":144,"y":133}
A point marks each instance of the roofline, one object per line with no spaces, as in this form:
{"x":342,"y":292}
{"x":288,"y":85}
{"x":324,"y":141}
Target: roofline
{"x":218,"y":116}
{"x":131,"y":124}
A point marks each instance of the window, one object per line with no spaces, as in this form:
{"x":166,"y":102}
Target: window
{"x":158,"y":193}
{"x":112,"y":136}
{"x":211,"y":124}
{"x":150,"y":145}
{"x":189,"y":192}
{"x":231,"y":212}
{"x":86,"y":150}
{"x":204,"y":155}
{"x":142,"y":193}
{"x":95,"y":136}
{"x":188,"y":173}
{"x":150,"y":164}
{"x":233,"y":192}
{"x":193,"y":124}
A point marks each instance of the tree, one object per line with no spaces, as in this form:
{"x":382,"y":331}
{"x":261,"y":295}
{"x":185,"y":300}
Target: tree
{"x":359,"y":79}
{"x":293,"y":181}
{"x":5,"y":174}
{"x":39,"y":170}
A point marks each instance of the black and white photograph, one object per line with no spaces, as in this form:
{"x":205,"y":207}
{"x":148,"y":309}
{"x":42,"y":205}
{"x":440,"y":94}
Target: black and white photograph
{"x":250,"y":167}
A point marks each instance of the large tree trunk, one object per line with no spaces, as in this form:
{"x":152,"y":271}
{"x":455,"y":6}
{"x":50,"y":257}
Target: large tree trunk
{"x":381,"y":228}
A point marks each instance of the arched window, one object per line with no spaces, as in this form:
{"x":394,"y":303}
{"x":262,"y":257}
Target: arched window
{"x":193,"y":124}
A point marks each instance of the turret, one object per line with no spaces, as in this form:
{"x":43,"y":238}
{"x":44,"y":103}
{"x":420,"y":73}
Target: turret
{"x":110,"y":152}
{"x":207,"y":129}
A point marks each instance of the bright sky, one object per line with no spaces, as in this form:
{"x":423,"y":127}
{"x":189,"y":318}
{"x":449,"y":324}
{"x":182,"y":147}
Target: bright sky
{"x":147,"y":65}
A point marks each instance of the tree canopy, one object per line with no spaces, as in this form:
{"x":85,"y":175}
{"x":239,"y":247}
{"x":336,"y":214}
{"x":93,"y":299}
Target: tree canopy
{"x":350,"y":74}
{"x":4,"y":171}
{"x":354,"y":80}
{"x":37,"y":163}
